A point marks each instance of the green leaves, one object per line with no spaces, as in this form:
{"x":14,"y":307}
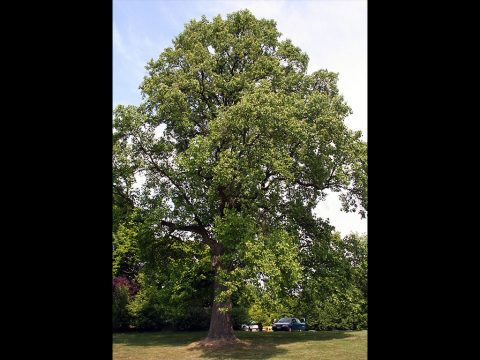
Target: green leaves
{"x":334,"y":281}
{"x":125,"y":252}
{"x":249,"y":144}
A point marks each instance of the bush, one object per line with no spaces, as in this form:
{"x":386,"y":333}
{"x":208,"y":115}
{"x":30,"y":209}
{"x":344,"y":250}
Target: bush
{"x":123,"y":291}
{"x":146,"y":310}
{"x":124,"y":282}
{"x":195,"y":318}
{"x":333,"y":314}
{"x":120,"y":316}
{"x":239,"y":317}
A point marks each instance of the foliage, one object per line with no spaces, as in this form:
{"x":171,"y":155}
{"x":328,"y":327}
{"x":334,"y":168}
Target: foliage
{"x":240,"y":315}
{"x":126,"y":261}
{"x":334,"y":283}
{"x":120,"y":300}
{"x":177,"y":296}
{"x":146,"y":310}
{"x":125,"y":254}
{"x":237,"y":144}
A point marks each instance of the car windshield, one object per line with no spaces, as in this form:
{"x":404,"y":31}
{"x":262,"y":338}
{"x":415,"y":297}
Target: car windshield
{"x":284,"y":320}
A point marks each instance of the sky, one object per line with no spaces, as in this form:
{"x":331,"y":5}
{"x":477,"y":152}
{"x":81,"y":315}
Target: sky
{"x":332,"y":32}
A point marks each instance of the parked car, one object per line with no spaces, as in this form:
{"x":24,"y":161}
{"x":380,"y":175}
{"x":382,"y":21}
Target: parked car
{"x":251,"y":326}
{"x":289,"y":324}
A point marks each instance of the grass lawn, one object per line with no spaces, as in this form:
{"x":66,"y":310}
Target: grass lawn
{"x":325,"y":345}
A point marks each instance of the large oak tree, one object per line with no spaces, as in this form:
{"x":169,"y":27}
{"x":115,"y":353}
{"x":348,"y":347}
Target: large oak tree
{"x":237,"y":144}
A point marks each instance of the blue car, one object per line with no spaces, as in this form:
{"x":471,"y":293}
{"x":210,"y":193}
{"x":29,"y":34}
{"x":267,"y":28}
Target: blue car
{"x":289,"y":324}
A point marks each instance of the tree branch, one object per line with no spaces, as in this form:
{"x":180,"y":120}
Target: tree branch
{"x":162,"y":172}
{"x":310,"y":184}
{"x":195,"y":228}
{"x":326,"y":185}
{"x":174,"y":226}
{"x":124,"y":196}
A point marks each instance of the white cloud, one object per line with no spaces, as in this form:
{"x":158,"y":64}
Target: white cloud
{"x":118,"y":43}
{"x":134,"y":50}
{"x":345,"y":223}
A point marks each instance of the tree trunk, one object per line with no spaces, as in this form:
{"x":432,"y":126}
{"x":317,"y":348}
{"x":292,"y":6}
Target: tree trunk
{"x":220,"y":332}
{"x":221,"y":326}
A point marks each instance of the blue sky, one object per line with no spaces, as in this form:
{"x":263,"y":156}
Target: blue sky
{"x":332,"y":32}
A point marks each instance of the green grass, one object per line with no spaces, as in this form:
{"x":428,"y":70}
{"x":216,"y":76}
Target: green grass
{"x":325,"y":345}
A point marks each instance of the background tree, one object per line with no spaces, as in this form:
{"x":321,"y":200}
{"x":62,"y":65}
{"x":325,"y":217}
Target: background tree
{"x":334,"y":279}
{"x":126,"y":261}
{"x":237,"y":144}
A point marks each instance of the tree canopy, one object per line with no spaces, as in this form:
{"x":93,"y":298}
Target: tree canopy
{"x":237,"y":144}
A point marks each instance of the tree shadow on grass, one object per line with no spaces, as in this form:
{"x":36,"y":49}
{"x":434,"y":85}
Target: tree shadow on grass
{"x":265,"y":345}
{"x":254,"y":344}
{"x":158,"y":338}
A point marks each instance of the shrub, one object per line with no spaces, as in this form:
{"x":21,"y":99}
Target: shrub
{"x":239,"y":317}
{"x":194,"y":318}
{"x":146,"y":310}
{"x":120,"y":316}
{"x":124,"y":282}
{"x":123,"y":291}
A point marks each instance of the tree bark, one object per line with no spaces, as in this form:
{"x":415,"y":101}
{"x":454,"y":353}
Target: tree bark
{"x":221,"y":326}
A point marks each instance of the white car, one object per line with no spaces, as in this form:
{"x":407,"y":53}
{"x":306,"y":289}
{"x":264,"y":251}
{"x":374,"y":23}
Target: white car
{"x":252,"y":326}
